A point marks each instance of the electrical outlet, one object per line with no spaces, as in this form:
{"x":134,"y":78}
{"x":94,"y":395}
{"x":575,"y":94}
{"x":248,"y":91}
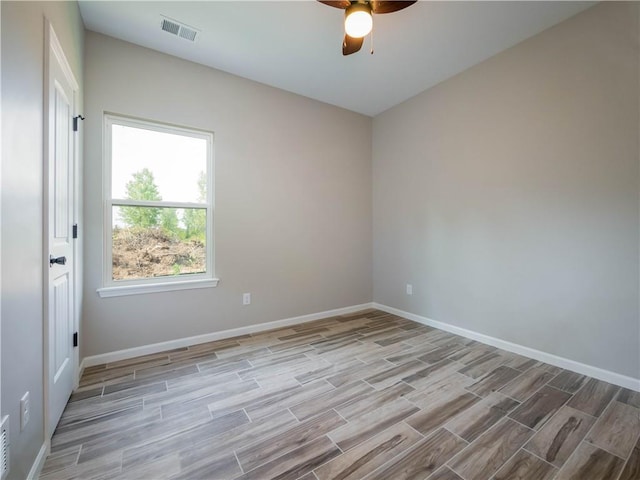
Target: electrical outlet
{"x":246,"y":299}
{"x":25,"y":410}
{"x":409,"y":289}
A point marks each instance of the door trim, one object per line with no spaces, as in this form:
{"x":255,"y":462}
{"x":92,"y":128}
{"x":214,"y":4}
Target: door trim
{"x":54,"y":47}
{"x":0,"y":209}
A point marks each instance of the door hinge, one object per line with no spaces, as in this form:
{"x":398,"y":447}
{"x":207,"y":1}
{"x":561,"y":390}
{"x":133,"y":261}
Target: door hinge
{"x":75,"y":122}
{"x":75,"y":339}
{"x":75,"y":230}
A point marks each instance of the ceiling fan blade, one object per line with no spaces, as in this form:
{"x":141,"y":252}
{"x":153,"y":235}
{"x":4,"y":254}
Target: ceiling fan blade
{"x":343,"y":4}
{"x":351,"y":45}
{"x":386,"y":6}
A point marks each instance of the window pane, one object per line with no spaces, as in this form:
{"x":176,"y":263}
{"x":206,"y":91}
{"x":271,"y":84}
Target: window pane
{"x":150,"y":165}
{"x":158,"y":242}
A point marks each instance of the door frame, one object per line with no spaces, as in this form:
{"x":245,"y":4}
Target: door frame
{"x":54,"y":47}
{"x":0,"y":208}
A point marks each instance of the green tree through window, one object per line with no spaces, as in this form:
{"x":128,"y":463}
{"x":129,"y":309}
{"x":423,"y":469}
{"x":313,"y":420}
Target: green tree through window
{"x":142,"y":187}
{"x":195,"y":220}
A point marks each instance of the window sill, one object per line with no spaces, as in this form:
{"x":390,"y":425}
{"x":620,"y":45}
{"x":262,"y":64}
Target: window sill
{"x":123,"y":290}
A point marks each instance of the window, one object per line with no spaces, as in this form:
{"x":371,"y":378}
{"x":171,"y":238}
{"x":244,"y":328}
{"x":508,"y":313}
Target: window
{"x":158,"y":217}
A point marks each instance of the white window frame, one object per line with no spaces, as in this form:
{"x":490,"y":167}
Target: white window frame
{"x":112,"y":288}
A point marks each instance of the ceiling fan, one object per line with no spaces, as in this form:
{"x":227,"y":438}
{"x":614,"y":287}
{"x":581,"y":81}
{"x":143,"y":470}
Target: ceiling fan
{"x":358,"y":18}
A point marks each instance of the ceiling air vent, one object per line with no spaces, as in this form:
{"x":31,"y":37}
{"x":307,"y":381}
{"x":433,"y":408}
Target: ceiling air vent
{"x":179,"y":29}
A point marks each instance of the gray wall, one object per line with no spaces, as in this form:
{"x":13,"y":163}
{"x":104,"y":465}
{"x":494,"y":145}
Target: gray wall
{"x":292,"y":198}
{"x":509,"y":195}
{"x":22,"y":170}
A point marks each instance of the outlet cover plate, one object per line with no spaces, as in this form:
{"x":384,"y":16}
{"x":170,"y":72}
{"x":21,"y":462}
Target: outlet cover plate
{"x":25,"y":410}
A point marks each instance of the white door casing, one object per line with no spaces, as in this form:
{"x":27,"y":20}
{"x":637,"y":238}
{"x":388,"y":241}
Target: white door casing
{"x":59,"y":166}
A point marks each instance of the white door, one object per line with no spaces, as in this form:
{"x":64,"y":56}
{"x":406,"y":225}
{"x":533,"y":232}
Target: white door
{"x":59,"y":201}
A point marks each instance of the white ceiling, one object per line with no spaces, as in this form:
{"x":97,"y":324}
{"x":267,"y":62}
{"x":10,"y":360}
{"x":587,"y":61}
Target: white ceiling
{"x":296,"y":45}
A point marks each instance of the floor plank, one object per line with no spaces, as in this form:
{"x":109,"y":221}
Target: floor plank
{"x":478,"y":418}
{"x":370,"y":455}
{"x":522,"y":387}
{"x":199,"y":455}
{"x":557,"y":440}
{"x":143,"y":453}
{"x":593,"y":397}
{"x":225,"y":467}
{"x":494,"y":380}
{"x":445,"y":473}
{"x":108,"y":467}
{"x":367,"y":425}
{"x":632,"y":468}
{"x":441,"y":353}
{"x":276,"y":401}
{"x":433,"y":416}
{"x":524,"y":466}
{"x":617,"y":430}
{"x":441,"y":385}
{"x":394,"y":374}
{"x":61,"y":460}
{"x":296,"y":463}
{"x":589,"y":462}
{"x":629,"y":397}
{"x":331,"y":399}
{"x":489,"y":452}
{"x":420,"y":461}
{"x":272,"y":447}
{"x":569,"y":381}
{"x":540,"y":407}
{"x":483,"y":365}
{"x":373,"y":401}
{"x":162,"y":468}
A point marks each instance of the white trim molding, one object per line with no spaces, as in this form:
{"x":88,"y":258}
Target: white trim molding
{"x":38,"y":463}
{"x":210,"y":337}
{"x":119,"y":291}
{"x":582,"y":368}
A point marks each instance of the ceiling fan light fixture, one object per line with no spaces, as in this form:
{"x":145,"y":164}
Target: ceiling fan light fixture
{"x":358,"y":21}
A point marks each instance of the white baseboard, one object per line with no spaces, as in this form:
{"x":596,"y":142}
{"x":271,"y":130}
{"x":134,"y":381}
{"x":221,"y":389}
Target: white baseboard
{"x":38,"y":463}
{"x":582,"y":368}
{"x":210,"y":337}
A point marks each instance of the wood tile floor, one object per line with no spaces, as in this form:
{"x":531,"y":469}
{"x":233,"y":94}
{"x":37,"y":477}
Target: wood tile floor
{"x":369,"y":395}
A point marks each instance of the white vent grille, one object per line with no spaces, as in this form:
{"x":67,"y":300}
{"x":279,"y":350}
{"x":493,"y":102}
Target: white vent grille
{"x":179,"y":29}
{"x":187,"y":33}
{"x":4,"y":447}
{"x":170,"y":27}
